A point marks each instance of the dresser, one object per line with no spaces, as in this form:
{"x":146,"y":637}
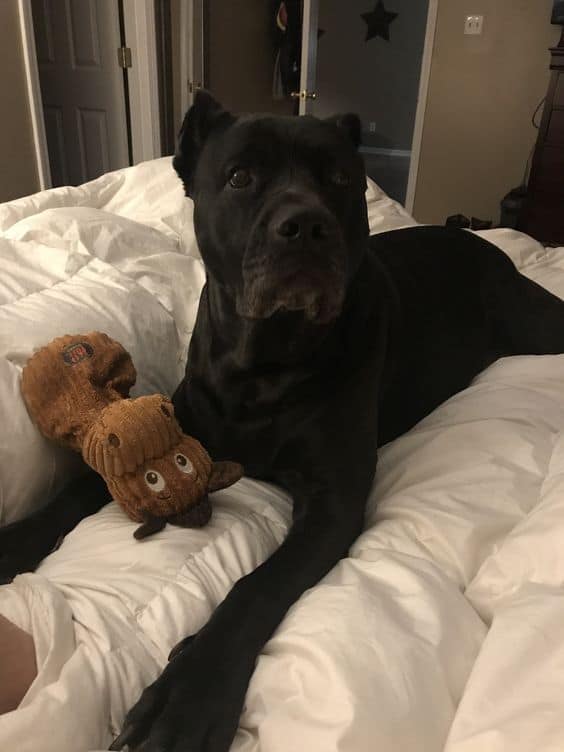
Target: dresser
{"x":543,"y":213}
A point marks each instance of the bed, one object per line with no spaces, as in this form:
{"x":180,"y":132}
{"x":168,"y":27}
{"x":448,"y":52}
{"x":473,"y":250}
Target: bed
{"x":443,"y":627}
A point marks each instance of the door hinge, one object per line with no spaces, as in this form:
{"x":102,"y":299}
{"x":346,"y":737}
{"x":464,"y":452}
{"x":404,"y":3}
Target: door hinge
{"x":124,"y":57}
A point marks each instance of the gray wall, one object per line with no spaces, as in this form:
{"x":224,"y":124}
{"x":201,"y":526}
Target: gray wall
{"x":377,"y":79}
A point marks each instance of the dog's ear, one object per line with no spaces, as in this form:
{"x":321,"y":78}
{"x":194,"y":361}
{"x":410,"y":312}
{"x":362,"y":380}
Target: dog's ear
{"x":351,"y":126}
{"x":205,"y":115}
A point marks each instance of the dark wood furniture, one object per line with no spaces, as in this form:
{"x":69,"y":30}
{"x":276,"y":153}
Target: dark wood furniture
{"x":543,"y":213}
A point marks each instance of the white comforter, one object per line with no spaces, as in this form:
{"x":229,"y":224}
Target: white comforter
{"x":442,"y":630}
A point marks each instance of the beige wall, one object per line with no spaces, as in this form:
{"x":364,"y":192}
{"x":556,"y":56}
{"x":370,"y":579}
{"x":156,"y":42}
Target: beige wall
{"x":483,"y":90}
{"x":18,"y":174}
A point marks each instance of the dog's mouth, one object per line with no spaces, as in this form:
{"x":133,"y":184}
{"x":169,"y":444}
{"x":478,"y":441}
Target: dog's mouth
{"x":317,"y":293}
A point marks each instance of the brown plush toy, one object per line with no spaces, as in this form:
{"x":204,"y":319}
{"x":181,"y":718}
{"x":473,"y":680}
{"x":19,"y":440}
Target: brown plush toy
{"x":76,"y":390}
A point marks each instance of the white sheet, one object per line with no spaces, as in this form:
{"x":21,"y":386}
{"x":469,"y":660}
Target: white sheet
{"x":442,"y":627}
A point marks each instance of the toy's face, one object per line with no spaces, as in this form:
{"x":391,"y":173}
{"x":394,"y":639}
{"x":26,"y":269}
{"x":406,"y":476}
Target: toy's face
{"x":170,"y":485}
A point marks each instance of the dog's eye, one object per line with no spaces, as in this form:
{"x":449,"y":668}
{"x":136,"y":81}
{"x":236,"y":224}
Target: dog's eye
{"x":340,"y":178}
{"x":239,"y":178}
{"x":154,"y":480}
{"x":183,"y":464}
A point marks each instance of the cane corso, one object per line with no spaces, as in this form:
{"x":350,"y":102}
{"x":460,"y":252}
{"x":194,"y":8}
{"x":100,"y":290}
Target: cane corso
{"x":314,"y":344}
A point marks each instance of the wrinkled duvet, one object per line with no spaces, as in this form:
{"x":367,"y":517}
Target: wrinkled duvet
{"x":444,"y":629}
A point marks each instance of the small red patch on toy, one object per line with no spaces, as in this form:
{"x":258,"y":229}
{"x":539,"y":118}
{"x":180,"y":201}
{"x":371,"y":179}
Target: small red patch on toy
{"x":77,"y":352}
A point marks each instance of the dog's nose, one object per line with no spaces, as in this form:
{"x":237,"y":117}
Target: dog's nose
{"x":302,"y":226}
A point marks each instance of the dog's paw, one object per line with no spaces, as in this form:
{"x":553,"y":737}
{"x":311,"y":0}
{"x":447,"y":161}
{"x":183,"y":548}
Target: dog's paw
{"x":194,"y":705}
{"x":23,"y":545}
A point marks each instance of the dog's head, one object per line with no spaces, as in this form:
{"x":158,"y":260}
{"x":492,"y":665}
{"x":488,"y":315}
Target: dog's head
{"x":279,"y":206}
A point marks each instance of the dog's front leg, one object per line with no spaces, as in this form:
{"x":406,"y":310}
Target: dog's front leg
{"x":196,"y":703}
{"x":25,"y":543}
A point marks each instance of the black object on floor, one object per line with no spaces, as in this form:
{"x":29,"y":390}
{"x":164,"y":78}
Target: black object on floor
{"x":480,"y":224}
{"x":457,"y":220}
{"x":512,"y":206}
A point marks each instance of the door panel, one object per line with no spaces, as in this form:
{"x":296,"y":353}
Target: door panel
{"x":93,"y":140}
{"x":83,"y":34}
{"x":43,"y":27}
{"x":56,"y":138}
{"x":81,"y":87}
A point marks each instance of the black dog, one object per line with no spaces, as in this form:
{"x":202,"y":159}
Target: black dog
{"x":313,"y":345}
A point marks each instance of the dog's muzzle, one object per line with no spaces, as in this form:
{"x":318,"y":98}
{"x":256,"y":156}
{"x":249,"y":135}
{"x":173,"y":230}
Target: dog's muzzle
{"x":295,"y":262}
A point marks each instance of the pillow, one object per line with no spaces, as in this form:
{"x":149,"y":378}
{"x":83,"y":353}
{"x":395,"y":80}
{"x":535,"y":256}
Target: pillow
{"x":78,"y":269}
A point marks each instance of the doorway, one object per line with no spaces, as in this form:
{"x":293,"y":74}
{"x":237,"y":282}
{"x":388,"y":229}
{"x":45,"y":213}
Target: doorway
{"x":317,"y":57}
{"x":92,"y":80}
{"x":359,"y":70}
{"x":83,"y":87}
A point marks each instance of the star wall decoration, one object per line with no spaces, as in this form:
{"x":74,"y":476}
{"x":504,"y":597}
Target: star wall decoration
{"x":378,"y":22}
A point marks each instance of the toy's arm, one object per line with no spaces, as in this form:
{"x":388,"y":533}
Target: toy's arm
{"x":24,"y":544}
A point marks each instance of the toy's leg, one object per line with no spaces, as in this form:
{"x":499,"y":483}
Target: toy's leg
{"x":17,"y":664}
{"x":151,"y":526}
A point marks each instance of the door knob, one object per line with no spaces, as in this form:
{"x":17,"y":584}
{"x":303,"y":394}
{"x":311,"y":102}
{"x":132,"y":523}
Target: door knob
{"x":304,"y":94}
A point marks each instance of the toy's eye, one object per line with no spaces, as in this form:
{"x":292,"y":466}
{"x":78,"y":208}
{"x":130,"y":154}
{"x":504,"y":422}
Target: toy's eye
{"x":154,"y":480}
{"x":239,"y":177}
{"x":183,"y":464}
{"x":340,"y":179}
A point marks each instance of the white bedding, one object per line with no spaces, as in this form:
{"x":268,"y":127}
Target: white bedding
{"x":442,"y":630}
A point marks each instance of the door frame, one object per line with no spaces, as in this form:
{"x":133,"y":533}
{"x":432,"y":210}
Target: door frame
{"x":140,"y":33}
{"x":421,"y":104}
{"x":34,"y":95}
{"x":139,"y":16}
{"x":186,"y":54}
{"x":191,"y":64}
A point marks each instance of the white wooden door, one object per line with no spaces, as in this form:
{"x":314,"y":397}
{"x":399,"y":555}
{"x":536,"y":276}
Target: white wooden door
{"x":82,"y":87}
{"x":191,"y":50}
{"x":308,"y":69}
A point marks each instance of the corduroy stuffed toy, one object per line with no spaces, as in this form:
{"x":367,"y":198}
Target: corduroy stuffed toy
{"x":76,"y":390}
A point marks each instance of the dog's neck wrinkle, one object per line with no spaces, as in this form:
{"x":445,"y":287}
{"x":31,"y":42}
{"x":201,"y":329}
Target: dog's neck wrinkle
{"x":281,"y":341}
{"x":230,"y":388}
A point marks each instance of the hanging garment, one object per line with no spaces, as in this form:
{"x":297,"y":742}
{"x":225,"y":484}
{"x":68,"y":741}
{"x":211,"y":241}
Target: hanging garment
{"x":287,"y":36}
